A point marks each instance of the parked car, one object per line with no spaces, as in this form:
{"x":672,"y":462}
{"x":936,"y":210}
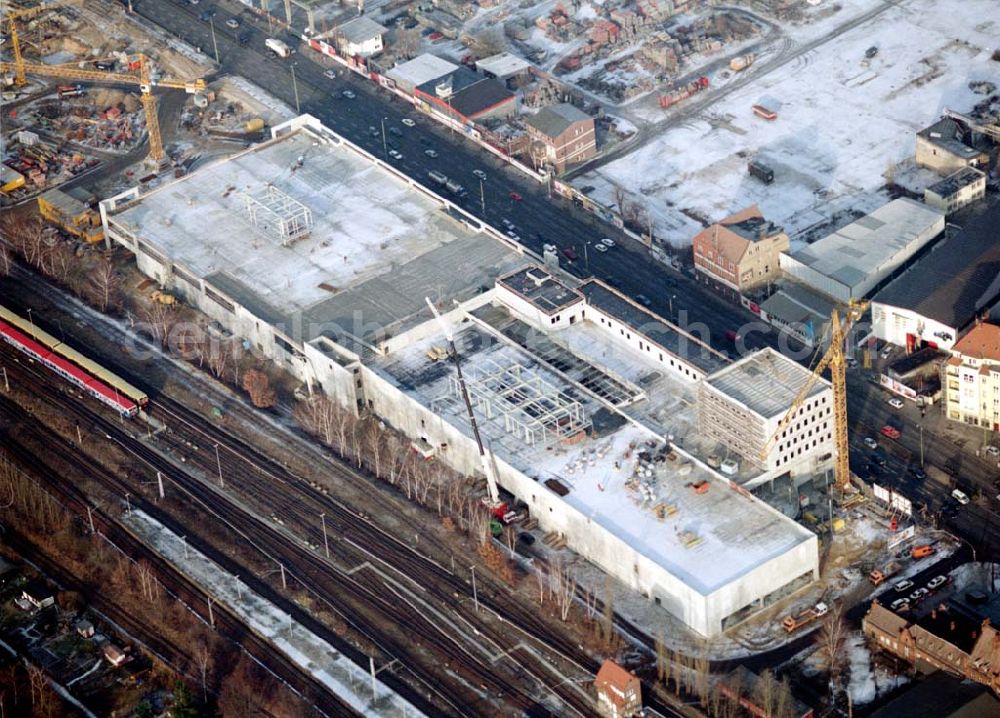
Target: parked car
{"x":919,"y":595}
{"x":937,"y":582}
{"x":348,"y":94}
{"x":643,"y":300}
{"x":526,"y":538}
{"x":431,"y":153}
{"x":480,"y":174}
{"x":896,"y":403}
{"x":396,"y":155}
{"x":233,"y":22}
{"x":918,"y":473}
{"x":900,"y":604}
{"x":608,"y":242}
{"x":516,"y":197}
{"x":886,"y":352}
{"x":960,"y":496}
{"x":902,"y":586}
{"x":395,"y":132}
{"x":408,"y":122}
{"x":879,"y":457}
{"x":871,"y":443}
{"x":993,"y":450}
{"x":569,"y":253}
{"x":601,"y":247}
{"x":330,"y":74}
{"x":507,"y":223}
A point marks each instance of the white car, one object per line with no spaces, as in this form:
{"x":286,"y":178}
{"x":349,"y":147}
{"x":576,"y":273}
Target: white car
{"x":233,"y":23}
{"x":937,"y":582}
{"x":902,"y":586}
{"x":480,"y":174}
{"x":960,"y":497}
{"x":514,"y":235}
{"x":396,"y":155}
{"x":431,"y":153}
{"x":608,"y":242}
{"x":600,"y":248}
{"x":896,"y":403}
{"x":507,"y":223}
{"x":900,"y":604}
{"x":919,"y":595}
{"x":992,"y":450}
{"x":886,"y":352}
{"x":871,"y":443}
{"x":408,"y":122}
{"x":348,"y":94}
{"x":329,"y":74}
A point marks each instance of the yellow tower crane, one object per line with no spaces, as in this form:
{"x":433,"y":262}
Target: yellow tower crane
{"x":139,"y":63}
{"x":13,"y":16}
{"x":833,"y":360}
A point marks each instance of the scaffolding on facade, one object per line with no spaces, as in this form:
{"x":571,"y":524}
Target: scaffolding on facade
{"x":276,"y":215}
{"x":529,"y":406}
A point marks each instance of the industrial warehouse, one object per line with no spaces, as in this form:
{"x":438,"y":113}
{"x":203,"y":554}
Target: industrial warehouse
{"x":601,"y":445}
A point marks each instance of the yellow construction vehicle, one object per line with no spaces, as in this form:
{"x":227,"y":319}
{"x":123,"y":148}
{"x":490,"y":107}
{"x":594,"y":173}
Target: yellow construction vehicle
{"x":137,"y":63}
{"x":71,"y":215}
{"x":833,"y":360}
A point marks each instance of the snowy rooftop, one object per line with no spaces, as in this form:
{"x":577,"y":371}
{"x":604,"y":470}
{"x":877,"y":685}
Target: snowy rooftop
{"x":765,"y":382}
{"x":502,"y":65}
{"x":706,"y":539}
{"x":421,"y":69}
{"x":377,"y":246}
{"x":852,"y":253}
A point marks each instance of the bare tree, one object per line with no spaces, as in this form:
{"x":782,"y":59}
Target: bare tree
{"x":159,"y":321}
{"x":765,"y":691}
{"x":374,"y":443}
{"x":203,"y":657}
{"x":407,"y":42}
{"x":564,"y":589}
{"x":258,"y":386}
{"x":104,"y":279}
{"x":489,"y":42}
{"x":621,"y":200}
{"x":5,"y":260}
{"x":831,"y":639}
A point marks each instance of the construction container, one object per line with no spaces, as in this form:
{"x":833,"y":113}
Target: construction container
{"x":761,"y":171}
{"x":200,"y":100}
{"x":741,"y":63}
{"x":254,"y":125}
{"x":27,"y":138}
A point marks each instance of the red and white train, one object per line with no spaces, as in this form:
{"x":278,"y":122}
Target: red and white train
{"x":60,"y":365}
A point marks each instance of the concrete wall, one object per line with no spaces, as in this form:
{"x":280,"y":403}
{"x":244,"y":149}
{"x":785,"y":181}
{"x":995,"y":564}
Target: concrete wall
{"x":525,"y":310}
{"x":810,"y":277}
{"x":965,"y":195}
{"x":932,"y":156}
{"x":554,"y":513}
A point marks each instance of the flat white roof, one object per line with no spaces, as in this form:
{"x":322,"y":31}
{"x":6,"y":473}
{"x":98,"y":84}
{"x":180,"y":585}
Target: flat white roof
{"x":503,"y":65}
{"x":707,"y":541}
{"x":765,"y":382}
{"x":377,"y":247}
{"x":421,"y":69}
{"x":852,"y":254}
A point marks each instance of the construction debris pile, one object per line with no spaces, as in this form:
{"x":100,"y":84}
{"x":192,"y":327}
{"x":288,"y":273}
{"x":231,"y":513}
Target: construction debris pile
{"x":110,"y":120}
{"x":32,"y":163}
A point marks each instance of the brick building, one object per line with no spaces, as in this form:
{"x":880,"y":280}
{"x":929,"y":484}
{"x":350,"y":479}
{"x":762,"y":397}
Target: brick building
{"x":619,"y":692}
{"x":566,"y":133}
{"x":742,"y":251}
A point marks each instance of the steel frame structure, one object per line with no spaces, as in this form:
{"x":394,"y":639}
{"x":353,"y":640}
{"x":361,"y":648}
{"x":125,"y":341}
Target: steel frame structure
{"x":275,"y":214}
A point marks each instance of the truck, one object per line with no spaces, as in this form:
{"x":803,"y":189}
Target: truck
{"x":741,"y":63}
{"x":760,"y":171}
{"x":278,"y":47}
{"x":70,"y":90}
{"x":879,"y":575}
{"x":684,"y":92}
{"x":454,"y":187}
{"x":797,"y":621}
{"x":437,"y":178}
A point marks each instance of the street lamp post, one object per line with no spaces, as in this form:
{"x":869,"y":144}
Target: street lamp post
{"x":215,"y":45}
{"x":586,"y":256}
{"x":385,"y":148}
{"x":31,"y":320}
{"x":218,"y":465}
{"x":482,"y":195}
{"x":921,"y":427}
{"x":295,"y":89}
{"x":326,"y":542}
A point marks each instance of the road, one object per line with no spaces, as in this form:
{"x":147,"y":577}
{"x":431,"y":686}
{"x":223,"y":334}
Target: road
{"x":537,"y":217}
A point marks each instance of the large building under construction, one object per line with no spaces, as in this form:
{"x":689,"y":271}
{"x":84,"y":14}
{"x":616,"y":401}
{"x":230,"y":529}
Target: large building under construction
{"x":321,"y":256}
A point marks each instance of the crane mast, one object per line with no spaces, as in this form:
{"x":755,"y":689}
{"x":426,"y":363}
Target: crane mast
{"x":833,"y":360}
{"x":495,"y":504}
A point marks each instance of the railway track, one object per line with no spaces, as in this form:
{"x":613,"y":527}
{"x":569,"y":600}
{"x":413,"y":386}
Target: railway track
{"x":175,"y":583}
{"x":496,"y":681}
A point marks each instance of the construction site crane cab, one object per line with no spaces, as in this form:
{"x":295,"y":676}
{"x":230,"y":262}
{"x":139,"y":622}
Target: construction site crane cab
{"x":835,"y":361}
{"x":498,"y":508}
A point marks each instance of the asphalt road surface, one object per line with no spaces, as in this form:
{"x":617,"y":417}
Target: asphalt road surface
{"x":538,"y":219}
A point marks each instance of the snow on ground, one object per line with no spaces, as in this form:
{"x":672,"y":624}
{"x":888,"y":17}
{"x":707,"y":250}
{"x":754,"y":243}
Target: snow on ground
{"x":282,"y":111}
{"x":865,"y":683}
{"x":350,"y":682}
{"x":840,"y":126}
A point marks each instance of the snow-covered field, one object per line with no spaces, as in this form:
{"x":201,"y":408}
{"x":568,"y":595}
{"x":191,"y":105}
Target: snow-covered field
{"x":843,"y":121}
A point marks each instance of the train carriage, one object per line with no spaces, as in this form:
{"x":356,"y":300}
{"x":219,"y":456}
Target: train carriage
{"x":101,"y":391}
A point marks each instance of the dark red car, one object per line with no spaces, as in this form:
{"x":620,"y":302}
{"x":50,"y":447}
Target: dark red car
{"x":516,"y":197}
{"x":890,"y":431}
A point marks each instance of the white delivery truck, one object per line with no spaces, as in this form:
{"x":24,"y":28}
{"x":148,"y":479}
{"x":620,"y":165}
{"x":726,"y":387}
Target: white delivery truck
{"x":278,"y":47}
